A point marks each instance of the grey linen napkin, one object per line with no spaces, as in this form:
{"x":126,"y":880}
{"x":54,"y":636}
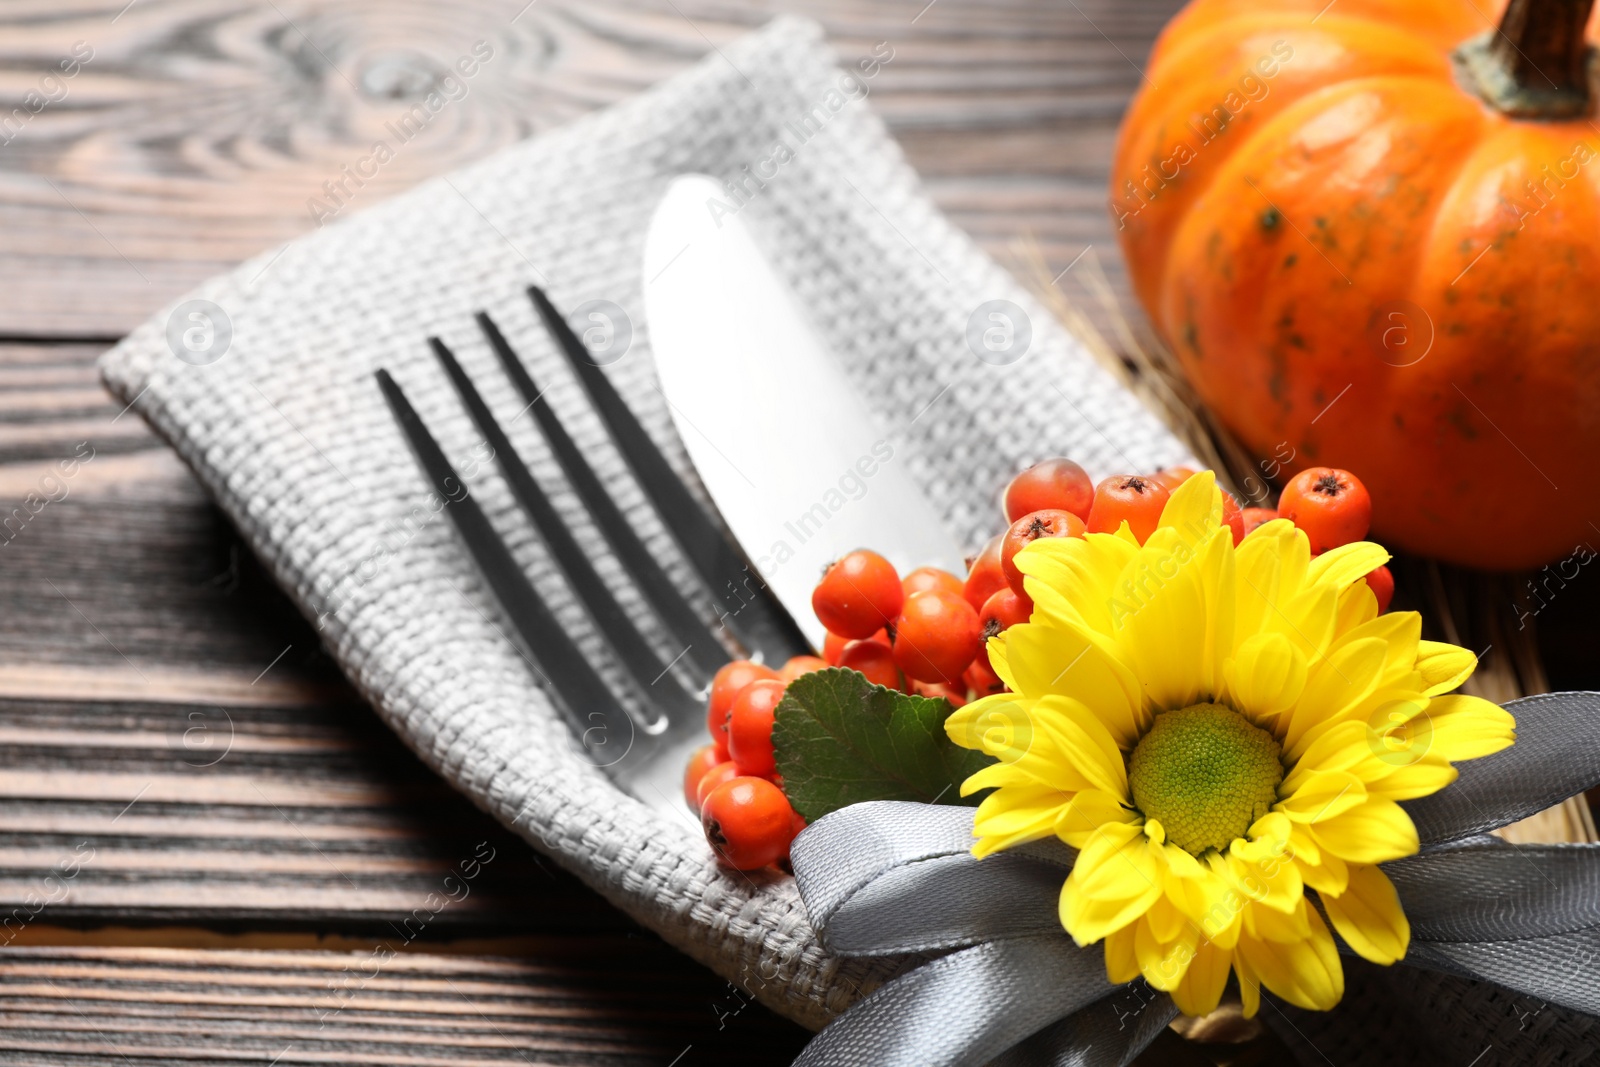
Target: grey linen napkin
{"x":288,"y":431}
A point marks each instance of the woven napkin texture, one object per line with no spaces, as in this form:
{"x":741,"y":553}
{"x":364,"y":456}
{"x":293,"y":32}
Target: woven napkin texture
{"x":290,"y":434}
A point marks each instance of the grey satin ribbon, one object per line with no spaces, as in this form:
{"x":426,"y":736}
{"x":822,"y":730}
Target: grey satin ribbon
{"x":961,"y":1009}
{"x":1499,"y":892}
{"x":1108,"y":1033}
{"x":886,"y":878}
{"x":1557,"y":755}
{"x":1010,"y":988}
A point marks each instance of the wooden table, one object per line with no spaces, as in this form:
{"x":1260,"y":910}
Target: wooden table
{"x":203,"y":833}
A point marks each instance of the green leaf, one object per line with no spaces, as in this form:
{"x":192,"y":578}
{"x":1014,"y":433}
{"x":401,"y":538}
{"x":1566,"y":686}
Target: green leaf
{"x":841,"y":740}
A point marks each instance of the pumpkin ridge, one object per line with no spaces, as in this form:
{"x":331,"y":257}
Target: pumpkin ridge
{"x":1428,"y":240}
{"x":1441,"y":24}
{"x":1342,"y":28}
{"x":1297,"y":114}
{"x":1224,"y":211}
{"x":1160,"y":115}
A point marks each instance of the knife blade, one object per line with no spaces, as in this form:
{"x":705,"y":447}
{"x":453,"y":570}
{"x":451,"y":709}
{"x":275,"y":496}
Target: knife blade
{"x":800,"y":467}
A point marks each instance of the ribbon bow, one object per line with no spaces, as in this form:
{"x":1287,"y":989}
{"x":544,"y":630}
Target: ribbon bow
{"x":1008,"y":987}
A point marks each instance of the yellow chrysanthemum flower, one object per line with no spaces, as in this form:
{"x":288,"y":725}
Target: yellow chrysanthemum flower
{"x":1217,"y":730}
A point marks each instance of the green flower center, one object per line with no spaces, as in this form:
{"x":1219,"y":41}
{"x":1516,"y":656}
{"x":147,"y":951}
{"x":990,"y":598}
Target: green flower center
{"x":1206,"y":774}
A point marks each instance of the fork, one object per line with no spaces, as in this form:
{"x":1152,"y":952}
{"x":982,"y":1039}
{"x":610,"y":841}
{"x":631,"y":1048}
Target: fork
{"x":642,"y":740}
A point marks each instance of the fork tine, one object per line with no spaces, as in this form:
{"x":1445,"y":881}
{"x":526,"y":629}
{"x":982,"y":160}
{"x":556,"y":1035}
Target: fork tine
{"x":641,"y":661}
{"x":674,"y":609}
{"x":753,"y":613}
{"x":577,"y":684}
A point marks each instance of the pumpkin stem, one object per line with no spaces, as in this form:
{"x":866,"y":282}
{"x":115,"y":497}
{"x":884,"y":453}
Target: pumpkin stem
{"x":1537,"y":64}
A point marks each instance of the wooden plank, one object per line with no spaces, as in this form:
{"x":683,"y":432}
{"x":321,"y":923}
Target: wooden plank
{"x":121,"y":578}
{"x":197,"y":131}
{"x":593,"y":1001}
{"x":294,"y":817}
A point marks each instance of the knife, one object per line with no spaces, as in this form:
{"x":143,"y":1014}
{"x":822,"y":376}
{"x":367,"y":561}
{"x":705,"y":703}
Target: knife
{"x":800,"y":467}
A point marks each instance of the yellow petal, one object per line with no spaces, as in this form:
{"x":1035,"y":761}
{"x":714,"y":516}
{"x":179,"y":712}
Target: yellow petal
{"x":1469,"y":727}
{"x":969,"y":725}
{"x":1347,"y":564}
{"x":1267,"y":836}
{"x":1210,"y":901}
{"x":1305,"y":972}
{"x":1369,"y":917}
{"x":1249,"y":981}
{"x":1302,"y":847}
{"x":1310,"y":620}
{"x":1258,"y":570}
{"x":1163,"y":962}
{"x":1426,"y":776}
{"x":1016,"y":815}
{"x":1444,"y":666}
{"x":1375,"y":832}
{"x":1002,"y":667}
{"x":1274,"y":594}
{"x":1162,"y":618}
{"x":1278,"y":927}
{"x":1400,"y":632}
{"x":1399,"y":733}
{"x":1276,"y":527}
{"x":1270,"y":568}
{"x":1357,"y":605}
{"x":1262,"y":869}
{"x":1219,"y":575}
{"x":1203,"y":982}
{"x":1007,"y":727}
{"x":1090,"y":920}
{"x":1082,"y":740}
{"x":1323,"y":795}
{"x":1070,"y":578}
{"x":1121,"y":963}
{"x":1266,"y":677}
{"x":1194,"y":509}
{"x":1089,"y":811}
{"x":1335,"y":688}
{"x":1115,"y":864}
{"x":1330,"y":875}
{"x":1113,"y":882}
{"x":1338,"y":747}
{"x":1020,"y":732}
{"x":1179,"y":863}
{"x":1166,"y":922}
{"x":995,"y":776}
{"x":1274,"y":883}
{"x":1050,"y":657}
{"x":1387,"y":731}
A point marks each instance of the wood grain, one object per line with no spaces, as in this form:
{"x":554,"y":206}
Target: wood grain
{"x":198,"y":131}
{"x":121,"y":579}
{"x":603,"y":1002}
{"x":284,"y":818}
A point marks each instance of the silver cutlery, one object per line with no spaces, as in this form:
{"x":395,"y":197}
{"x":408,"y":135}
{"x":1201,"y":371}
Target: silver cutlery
{"x":642,"y":737}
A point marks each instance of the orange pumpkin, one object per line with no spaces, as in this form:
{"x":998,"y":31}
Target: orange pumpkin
{"x":1370,"y":230}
